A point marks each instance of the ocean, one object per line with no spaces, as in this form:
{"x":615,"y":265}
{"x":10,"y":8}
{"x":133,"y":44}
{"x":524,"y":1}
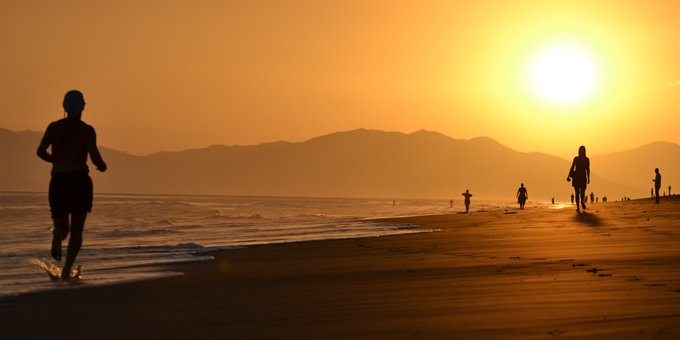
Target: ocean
{"x":128,"y":237}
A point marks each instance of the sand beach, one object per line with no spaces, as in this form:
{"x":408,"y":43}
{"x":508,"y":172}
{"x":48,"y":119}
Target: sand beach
{"x":612,"y":272}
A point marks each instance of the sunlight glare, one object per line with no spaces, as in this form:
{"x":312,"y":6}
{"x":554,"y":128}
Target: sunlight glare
{"x":563,"y":74}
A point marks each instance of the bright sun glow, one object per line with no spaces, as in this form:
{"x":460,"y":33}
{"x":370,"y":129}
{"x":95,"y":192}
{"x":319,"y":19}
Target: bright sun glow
{"x":563,"y":74}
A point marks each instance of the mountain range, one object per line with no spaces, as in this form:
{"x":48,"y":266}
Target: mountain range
{"x":359,"y":163}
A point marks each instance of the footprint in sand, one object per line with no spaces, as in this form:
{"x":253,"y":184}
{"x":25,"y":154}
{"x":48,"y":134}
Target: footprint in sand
{"x":556,"y":332}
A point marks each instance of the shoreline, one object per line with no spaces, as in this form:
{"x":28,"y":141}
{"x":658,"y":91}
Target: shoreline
{"x":611,"y":272}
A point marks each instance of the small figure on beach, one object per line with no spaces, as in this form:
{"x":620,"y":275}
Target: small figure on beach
{"x":553,"y":200}
{"x":70,"y":190}
{"x":604,"y":199}
{"x":579,"y":175}
{"x":522,"y":196}
{"x":657,"y":183}
{"x":592,"y":197}
{"x":669,"y":191}
{"x":572,"y":199}
{"x":467,"y":195}
{"x":451,"y":203}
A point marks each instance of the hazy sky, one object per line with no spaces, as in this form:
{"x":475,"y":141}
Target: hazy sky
{"x":171,"y":75}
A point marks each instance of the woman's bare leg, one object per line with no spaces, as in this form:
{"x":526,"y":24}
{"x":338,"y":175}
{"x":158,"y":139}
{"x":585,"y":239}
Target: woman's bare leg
{"x":59,"y":233}
{"x":74,"y":243}
{"x":577,"y":195}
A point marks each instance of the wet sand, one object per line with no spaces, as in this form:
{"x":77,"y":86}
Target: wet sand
{"x":613,"y":272}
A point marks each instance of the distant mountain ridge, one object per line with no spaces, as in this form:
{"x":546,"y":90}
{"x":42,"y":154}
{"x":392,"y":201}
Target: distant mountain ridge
{"x":358,"y":163}
{"x":636,"y":166}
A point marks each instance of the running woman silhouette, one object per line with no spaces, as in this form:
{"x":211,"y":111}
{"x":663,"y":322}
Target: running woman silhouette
{"x":70,"y":190}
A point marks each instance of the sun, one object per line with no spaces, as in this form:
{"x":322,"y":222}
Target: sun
{"x":563,"y":74}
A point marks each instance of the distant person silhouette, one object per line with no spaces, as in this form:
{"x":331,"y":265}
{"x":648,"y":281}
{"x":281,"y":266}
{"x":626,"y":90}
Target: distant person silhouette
{"x":592,"y":197}
{"x":657,"y":183}
{"x":669,"y":191}
{"x":579,"y":175}
{"x":70,"y":190}
{"x":572,"y":199}
{"x":522,"y":196}
{"x":467,"y":195}
{"x":552,"y":200}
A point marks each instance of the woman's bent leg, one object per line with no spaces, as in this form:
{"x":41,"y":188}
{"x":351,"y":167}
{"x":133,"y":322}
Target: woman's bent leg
{"x":58,"y":234}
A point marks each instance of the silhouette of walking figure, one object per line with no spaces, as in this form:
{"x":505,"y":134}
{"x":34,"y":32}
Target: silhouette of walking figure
{"x":572,"y":198}
{"x":579,"y":175}
{"x":70,"y":190}
{"x":467,"y":195}
{"x":657,"y":183}
{"x":522,"y":196}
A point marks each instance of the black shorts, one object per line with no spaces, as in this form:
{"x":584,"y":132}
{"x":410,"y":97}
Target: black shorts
{"x":70,"y":193}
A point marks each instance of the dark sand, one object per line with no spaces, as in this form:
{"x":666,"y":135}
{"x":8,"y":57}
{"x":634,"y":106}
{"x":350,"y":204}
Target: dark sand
{"x":611,"y":273}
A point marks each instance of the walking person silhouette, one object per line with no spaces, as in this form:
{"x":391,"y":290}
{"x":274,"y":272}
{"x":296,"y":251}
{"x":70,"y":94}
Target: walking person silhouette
{"x":523,"y":195}
{"x":579,"y":175}
{"x":70,"y":190}
{"x":657,"y":183}
{"x":467,"y":195}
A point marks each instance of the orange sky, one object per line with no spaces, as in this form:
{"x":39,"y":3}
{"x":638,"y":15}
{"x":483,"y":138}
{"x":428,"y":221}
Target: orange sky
{"x":171,"y":75}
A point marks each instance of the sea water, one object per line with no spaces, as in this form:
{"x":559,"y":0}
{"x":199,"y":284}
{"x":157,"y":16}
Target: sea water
{"x":128,"y":237}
